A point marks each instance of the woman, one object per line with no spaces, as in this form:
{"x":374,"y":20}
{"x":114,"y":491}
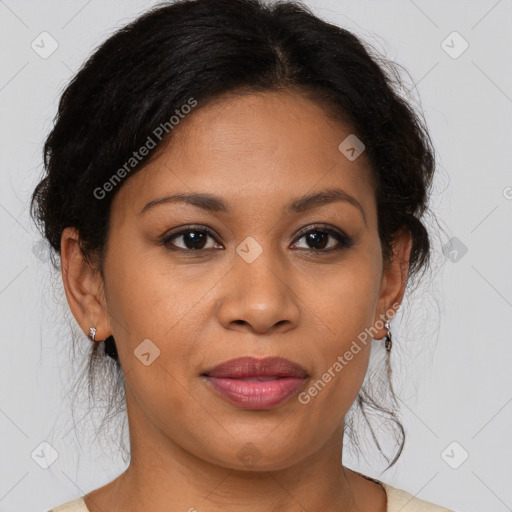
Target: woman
{"x":235,"y":192}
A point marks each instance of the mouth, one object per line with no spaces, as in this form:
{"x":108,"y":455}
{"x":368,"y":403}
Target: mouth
{"x":256,"y":384}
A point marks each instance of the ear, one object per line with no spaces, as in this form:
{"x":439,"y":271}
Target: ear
{"x":394,"y":279}
{"x":83,"y":286}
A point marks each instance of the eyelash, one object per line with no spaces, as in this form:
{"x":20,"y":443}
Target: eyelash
{"x":344,"y":242}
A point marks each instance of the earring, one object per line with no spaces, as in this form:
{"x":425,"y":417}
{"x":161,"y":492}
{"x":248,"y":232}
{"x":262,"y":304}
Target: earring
{"x":387,"y":337}
{"x":109,"y":344}
{"x":110,"y":348}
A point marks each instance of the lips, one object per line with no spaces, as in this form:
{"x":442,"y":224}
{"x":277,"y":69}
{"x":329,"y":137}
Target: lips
{"x":256,"y":384}
{"x":249,"y":367}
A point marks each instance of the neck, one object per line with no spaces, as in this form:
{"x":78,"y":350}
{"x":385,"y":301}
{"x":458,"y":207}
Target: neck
{"x":163,"y":476}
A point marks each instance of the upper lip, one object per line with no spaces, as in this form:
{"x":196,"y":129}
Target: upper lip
{"x":247,"y":367}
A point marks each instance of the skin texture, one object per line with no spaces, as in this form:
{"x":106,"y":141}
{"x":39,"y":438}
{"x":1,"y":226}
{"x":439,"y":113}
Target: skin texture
{"x":258,"y":152}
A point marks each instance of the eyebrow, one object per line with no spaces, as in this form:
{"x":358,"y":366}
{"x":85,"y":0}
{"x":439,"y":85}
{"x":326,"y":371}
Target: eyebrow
{"x":215,"y":204}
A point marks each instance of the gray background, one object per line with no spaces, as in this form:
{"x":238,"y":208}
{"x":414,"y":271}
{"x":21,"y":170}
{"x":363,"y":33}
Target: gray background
{"x":452,"y":355}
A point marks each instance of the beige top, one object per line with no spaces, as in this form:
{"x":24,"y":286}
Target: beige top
{"x":398,"y":501}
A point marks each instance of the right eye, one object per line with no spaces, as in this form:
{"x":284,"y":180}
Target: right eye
{"x":192,"y":239}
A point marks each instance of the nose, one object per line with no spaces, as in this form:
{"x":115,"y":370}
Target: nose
{"x":259,"y":297}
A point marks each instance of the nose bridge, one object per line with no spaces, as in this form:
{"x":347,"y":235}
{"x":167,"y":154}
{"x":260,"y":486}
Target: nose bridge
{"x":258,"y":293}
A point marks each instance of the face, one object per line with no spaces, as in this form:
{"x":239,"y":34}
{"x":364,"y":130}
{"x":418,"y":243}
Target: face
{"x":258,"y":269}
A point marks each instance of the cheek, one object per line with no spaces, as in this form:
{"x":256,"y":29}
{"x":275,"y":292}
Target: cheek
{"x":148,"y":298}
{"x":144,"y":293}
{"x":344,"y":302}
{"x":344,"y":309}
{"x":340,"y":355}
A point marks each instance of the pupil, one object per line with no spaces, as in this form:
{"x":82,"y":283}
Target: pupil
{"x":314,"y":238}
{"x":195,"y":237}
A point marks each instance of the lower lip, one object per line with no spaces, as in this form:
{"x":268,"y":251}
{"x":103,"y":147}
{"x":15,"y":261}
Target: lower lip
{"x":257,"y":395}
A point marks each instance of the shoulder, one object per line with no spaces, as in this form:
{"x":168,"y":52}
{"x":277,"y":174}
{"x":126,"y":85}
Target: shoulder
{"x":77,"y":505}
{"x":400,"y":500}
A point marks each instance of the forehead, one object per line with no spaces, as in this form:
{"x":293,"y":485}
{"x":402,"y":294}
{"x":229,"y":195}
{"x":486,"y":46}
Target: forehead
{"x":277,"y":145}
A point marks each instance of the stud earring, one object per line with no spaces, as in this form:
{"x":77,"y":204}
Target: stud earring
{"x":109,"y":344}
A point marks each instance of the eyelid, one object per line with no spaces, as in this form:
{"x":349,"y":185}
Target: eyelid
{"x":320,"y":227}
{"x":179,"y":230}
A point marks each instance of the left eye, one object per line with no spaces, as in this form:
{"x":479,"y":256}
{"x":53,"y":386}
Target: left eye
{"x":318,"y":240}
